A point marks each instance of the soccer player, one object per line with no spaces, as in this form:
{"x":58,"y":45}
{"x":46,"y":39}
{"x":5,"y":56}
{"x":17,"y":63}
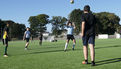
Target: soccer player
{"x":88,"y":34}
{"x":26,"y":37}
{"x":5,"y":38}
{"x":70,"y":29}
{"x":40,"y":38}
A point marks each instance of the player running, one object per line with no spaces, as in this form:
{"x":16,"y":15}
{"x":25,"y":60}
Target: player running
{"x":70,"y":29}
{"x":88,"y":34}
{"x":26,"y":37}
{"x":5,"y":38}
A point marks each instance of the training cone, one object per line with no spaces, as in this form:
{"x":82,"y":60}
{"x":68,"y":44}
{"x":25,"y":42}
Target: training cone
{"x":83,"y":62}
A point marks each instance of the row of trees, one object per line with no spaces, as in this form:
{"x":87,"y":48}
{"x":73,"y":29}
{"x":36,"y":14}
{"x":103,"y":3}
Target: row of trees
{"x":38,"y":24}
{"x":107,"y":23}
{"x":16,"y":29}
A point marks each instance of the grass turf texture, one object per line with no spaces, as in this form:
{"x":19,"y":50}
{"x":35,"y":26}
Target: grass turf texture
{"x":52,"y":56}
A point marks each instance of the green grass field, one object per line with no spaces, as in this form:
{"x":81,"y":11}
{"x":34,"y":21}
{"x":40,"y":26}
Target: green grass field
{"x":52,"y":56}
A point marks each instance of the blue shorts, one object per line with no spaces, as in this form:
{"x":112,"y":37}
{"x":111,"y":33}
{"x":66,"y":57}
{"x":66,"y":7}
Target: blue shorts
{"x":88,"y":40}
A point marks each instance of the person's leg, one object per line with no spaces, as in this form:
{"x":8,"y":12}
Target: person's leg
{"x":27,"y":43}
{"x":66,"y":45}
{"x":74,"y":42}
{"x":92,"y":50}
{"x":6,"y":47}
{"x":3,"y":41}
{"x":85,"y":51}
{"x":92,"y":54}
{"x":67,"y":41}
{"x":40,"y":42}
{"x":85,"y":48}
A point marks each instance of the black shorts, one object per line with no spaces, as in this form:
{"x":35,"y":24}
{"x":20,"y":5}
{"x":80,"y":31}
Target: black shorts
{"x":27,"y":39}
{"x":6,"y":40}
{"x":40,"y":38}
{"x":88,"y":40}
{"x":70,"y":37}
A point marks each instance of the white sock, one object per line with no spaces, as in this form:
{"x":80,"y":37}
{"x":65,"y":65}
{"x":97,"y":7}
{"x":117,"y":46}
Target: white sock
{"x":66,"y":46}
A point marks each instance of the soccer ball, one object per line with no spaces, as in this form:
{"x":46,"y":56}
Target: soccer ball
{"x":71,"y":1}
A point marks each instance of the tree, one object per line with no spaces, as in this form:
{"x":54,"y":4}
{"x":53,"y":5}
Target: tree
{"x":75,"y":16}
{"x":16,"y":30}
{"x":38,"y":23}
{"x":58,"y":25}
{"x":2,"y":24}
{"x":108,"y":23}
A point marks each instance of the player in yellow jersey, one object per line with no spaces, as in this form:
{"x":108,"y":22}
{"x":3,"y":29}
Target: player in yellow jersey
{"x":5,"y":37}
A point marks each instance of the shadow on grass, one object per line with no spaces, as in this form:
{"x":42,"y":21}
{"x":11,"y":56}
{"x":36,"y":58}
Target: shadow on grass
{"x":114,"y":60}
{"x":48,"y":47}
{"x":53,"y":51}
{"x":47,"y":51}
{"x":95,"y":47}
{"x":108,"y":46}
{"x":61,"y":50}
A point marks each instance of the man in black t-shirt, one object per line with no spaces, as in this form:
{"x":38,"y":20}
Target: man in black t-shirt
{"x":88,"y":34}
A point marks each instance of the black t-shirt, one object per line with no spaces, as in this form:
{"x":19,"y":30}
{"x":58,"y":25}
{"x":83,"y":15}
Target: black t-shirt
{"x":89,"y":20}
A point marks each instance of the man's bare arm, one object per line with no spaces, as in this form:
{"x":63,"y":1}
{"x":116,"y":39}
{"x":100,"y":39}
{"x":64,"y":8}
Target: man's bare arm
{"x":82,"y":28}
{"x":24,"y":36}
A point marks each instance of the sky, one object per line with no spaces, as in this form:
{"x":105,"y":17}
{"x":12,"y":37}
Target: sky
{"x":19,"y":11}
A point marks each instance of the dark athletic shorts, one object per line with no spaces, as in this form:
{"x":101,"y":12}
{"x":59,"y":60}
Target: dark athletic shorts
{"x":6,"y":40}
{"x":40,"y":38}
{"x":27,"y":39}
{"x":88,"y":40}
{"x":70,"y":37}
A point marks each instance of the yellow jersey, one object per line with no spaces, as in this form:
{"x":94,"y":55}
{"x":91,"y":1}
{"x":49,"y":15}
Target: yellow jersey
{"x":5,"y":35}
